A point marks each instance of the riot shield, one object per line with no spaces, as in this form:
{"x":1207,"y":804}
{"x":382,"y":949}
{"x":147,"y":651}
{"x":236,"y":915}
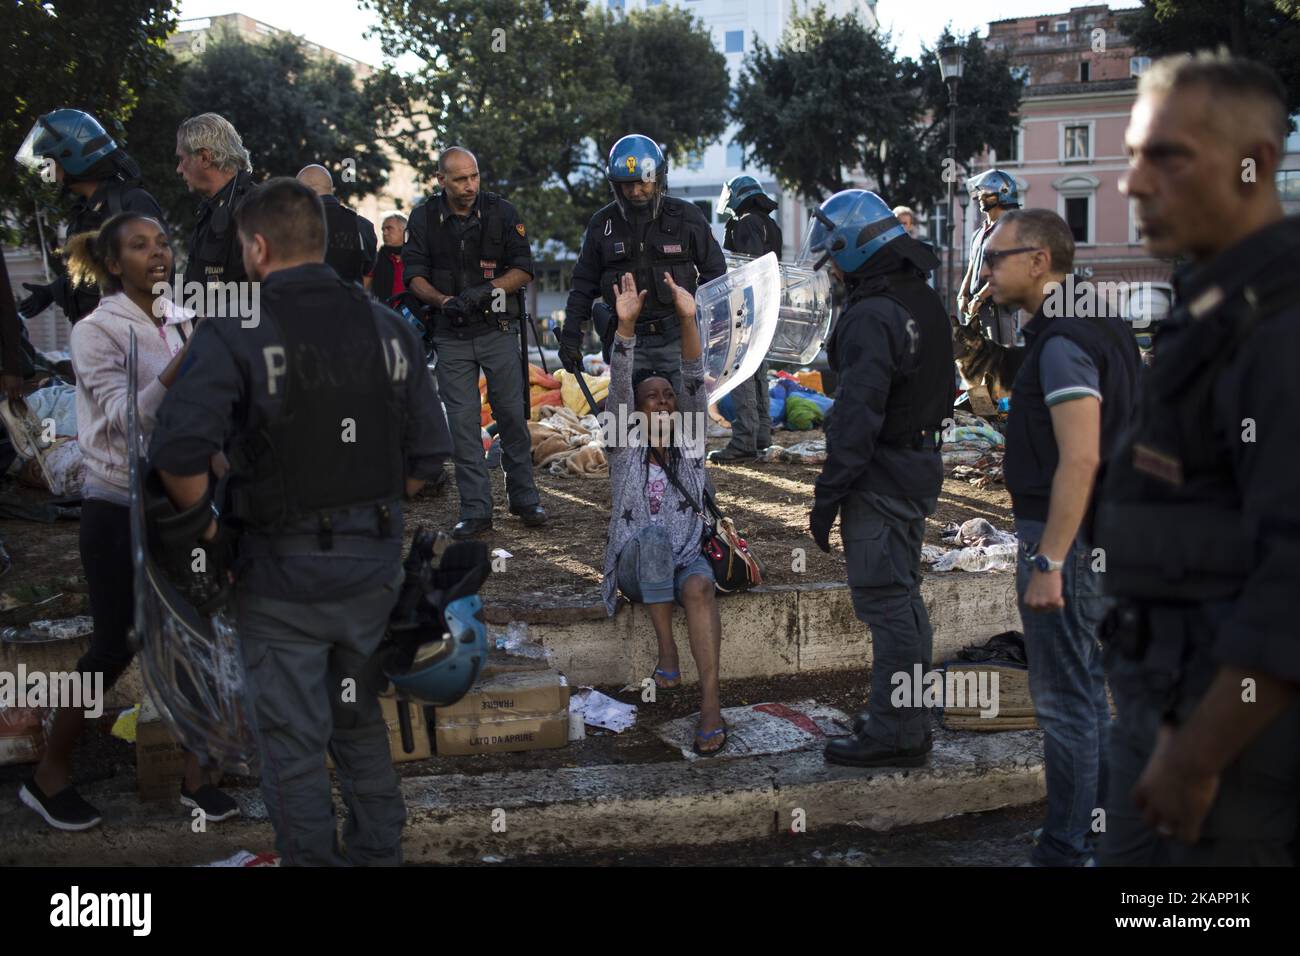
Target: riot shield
{"x":737,"y":313}
{"x":804,"y":319}
{"x":192,"y":666}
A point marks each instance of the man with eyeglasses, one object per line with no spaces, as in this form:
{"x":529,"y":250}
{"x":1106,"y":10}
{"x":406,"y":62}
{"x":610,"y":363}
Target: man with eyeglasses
{"x":1072,"y":397}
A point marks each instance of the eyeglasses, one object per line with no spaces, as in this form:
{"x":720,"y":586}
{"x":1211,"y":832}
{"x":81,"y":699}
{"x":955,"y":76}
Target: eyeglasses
{"x":993,"y":256}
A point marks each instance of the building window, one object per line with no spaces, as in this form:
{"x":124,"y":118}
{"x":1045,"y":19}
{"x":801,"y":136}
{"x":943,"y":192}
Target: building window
{"x":1076,"y":216}
{"x":695,"y":160}
{"x":1293,"y":139}
{"x":1076,"y":143}
{"x":706,"y":207}
{"x":735,"y":156}
{"x":1021,"y":73}
{"x":735,"y":41}
{"x":1137,"y":65}
{"x":1085,"y":71}
{"x":1042,"y":26}
{"x":1062,"y":26}
{"x":1288,"y":185}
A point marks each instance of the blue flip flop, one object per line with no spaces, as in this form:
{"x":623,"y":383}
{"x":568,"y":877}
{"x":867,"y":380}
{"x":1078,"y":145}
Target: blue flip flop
{"x":705,"y":738}
{"x":666,"y":675}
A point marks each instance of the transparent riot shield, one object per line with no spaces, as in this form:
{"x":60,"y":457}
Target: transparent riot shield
{"x":738,"y":313}
{"x":804,"y":319}
{"x":192,"y":666}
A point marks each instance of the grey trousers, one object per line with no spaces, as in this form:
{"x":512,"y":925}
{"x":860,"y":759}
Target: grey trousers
{"x":752,"y":428}
{"x":459,"y":361}
{"x":1255,"y":819}
{"x":882,"y":543}
{"x":653,"y":352}
{"x":306,"y":665}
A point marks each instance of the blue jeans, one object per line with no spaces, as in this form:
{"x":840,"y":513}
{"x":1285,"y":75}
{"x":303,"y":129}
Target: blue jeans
{"x":646,"y":574}
{"x":1068,"y":684}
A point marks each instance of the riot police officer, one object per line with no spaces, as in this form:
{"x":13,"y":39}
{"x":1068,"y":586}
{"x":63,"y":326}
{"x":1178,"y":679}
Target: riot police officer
{"x":1198,"y":516}
{"x":214,"y":163}
{"x":467,"y":255}
{"x":105,"y":180}
{"x":646,"y":233}
{"x":350,"y":242}
{"x":996,"y":192}
{"x":891,"y":352}
{"x":750,"y":231}
{"x":328,"y":415}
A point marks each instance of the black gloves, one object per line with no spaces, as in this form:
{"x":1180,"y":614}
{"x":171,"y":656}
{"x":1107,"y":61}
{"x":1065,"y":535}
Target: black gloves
{"x":571,"y":354}
{"x":473,"y":301}
{"x":40,"y":299}
{"x":821,"y":520}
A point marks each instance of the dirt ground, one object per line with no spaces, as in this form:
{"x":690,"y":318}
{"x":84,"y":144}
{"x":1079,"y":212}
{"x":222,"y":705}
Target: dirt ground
{"x":559,"y":563}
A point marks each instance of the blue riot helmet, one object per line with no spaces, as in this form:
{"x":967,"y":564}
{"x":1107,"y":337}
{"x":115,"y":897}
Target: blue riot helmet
{"x":634,"y":159}
{"x":849,"y":228}
{"x":437,"y":639}
{"x":73,"y":139}
{"x":735,"y":191}
{"x":995,"y":181}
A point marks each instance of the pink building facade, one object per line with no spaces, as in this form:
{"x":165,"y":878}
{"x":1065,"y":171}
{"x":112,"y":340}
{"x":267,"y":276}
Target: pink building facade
{"x":1068,"y":155}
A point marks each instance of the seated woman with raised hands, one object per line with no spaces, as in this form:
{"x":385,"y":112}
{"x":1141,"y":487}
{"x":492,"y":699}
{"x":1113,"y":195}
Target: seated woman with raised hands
{"x":657,"y":479}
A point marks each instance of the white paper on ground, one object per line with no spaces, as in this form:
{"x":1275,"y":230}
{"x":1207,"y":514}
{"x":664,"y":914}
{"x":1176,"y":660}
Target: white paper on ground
{"x":598,"y":710}
{"x":771,"y":728}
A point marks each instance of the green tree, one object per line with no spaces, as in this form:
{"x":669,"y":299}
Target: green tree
{"x":833,"y":97}
{"x":1263,"y":30}
{"x":540,"y":89}
{"x":75,"y":53}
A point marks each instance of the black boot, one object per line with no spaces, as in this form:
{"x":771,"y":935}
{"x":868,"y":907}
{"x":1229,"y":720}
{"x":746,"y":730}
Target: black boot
{"x":856,"y":751}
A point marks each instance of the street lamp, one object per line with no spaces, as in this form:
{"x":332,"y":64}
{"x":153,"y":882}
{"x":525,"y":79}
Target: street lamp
{"x":962,"y":200}
{"x":950,"y":67}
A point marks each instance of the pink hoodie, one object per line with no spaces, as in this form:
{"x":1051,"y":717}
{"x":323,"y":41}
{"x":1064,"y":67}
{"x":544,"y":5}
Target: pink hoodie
{"x":100,"y":345}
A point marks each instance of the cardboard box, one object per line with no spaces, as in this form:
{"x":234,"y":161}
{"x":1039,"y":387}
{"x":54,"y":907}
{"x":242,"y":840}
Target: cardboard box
{"x":503,"y":712}
{"x":419,"y":730}
{"x":159,"y":759}
{"x":22,"y":734}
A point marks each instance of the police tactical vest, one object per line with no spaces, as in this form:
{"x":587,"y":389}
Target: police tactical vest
{"x":215,"y":251}
{"x":327,"y":435}
{"x":1031,"y":450}
{"x":753,"y":225}
{"x":345,"y":251}
{"x":664,"y":245}
{"x":920,"y":397}
{"x":1169,"y":517}
{"x":463,"y":261}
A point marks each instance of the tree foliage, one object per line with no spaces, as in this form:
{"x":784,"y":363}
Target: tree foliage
{"x":84,"y":54}
{"x":1263,"y":30}
{"x":540,"y":89}
{"x":833,"y":98}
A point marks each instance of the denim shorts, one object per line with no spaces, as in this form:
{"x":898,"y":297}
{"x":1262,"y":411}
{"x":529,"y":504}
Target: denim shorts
{"x":646,"y":571}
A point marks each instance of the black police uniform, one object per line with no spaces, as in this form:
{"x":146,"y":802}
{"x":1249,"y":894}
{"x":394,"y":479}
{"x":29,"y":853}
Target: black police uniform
{"x":456,"y":254}
{"x":323,"y":407}
{"x":1199,"y":520}
{"x":215,"y":252}
{"x":752,"y":233}
{"x":350,"y":243}
{"x":109,"y":198}
{"x":891,"y":352}
{"x":678,"y":241}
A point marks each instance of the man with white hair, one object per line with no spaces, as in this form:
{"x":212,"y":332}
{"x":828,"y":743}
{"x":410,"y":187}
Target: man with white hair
{"x":214,"y":163}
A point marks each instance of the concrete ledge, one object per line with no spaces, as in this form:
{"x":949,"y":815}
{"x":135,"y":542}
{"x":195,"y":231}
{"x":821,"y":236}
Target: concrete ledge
{"x":769,"y":631}
{"x":450,"y":818}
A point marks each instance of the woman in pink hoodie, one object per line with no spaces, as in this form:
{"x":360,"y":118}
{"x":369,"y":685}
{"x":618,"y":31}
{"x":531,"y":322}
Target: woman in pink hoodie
{"x":130,"y":258}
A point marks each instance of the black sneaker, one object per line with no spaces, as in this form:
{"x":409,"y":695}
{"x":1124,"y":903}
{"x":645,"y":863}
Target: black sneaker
{"x":217,"y":805}
{"x":63,"y":811}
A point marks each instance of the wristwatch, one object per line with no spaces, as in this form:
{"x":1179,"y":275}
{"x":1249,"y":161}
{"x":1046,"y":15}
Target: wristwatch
{"x":1045,"y":564}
